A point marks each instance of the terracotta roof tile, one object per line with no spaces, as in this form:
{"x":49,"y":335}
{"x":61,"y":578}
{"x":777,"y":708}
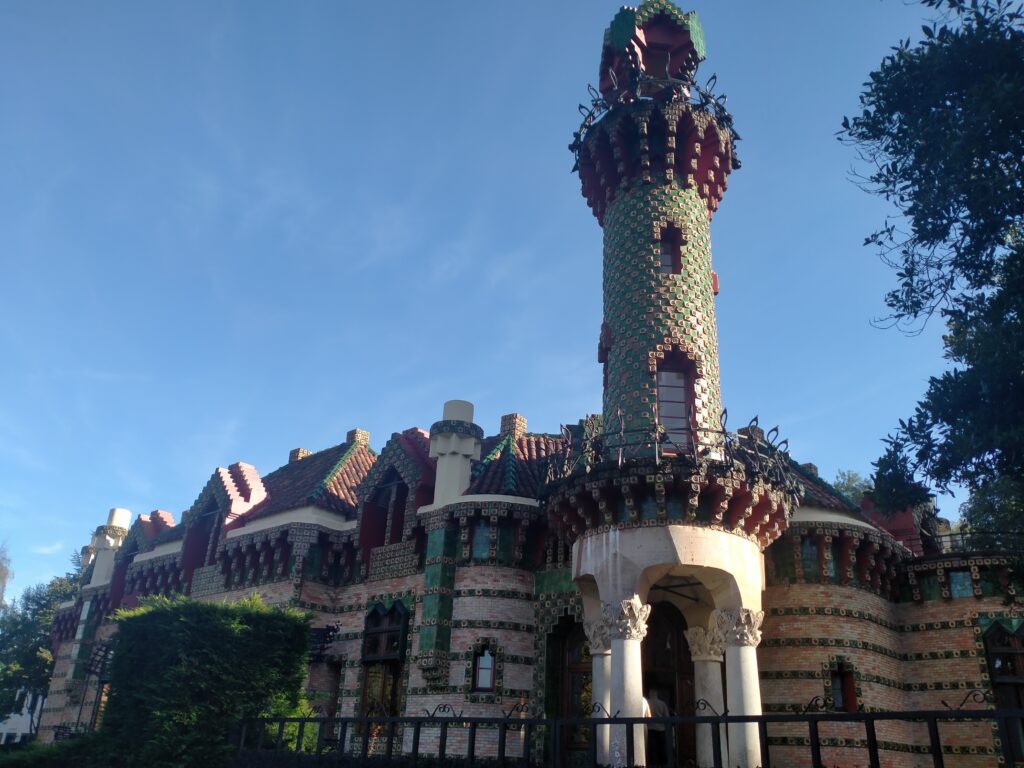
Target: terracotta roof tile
{"x":326,"y":479}
{"x":513,"y":467}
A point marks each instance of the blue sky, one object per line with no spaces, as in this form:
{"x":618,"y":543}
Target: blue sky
{"x":232,"y":229}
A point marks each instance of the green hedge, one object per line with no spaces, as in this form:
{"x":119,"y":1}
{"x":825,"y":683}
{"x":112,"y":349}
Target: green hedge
{"x":183,"y":674}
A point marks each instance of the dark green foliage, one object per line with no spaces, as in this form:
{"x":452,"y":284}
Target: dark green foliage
{"x":184,"y":673}
{"x":893,"y":487}
{"x":994,"y":513}
{"x":942,"y":128}
{"x":79,"y":753}
{"x":851,"y":484}
{"x":26,"y":661}
{"x":969,"y":428}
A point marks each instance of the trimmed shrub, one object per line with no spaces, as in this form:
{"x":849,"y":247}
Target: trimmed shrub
{"x":184,"y":673}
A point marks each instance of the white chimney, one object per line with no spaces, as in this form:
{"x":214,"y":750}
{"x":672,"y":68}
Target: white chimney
{"x":105,"y":542}
{"x":455,"y":443}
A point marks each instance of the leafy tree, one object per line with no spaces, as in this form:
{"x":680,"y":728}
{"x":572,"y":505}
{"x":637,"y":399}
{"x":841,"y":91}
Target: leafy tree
{"x":997,"y":508}
{"x":26,"y":661}
{"x":894,"y":488}
{"x":5,"y":570}
{"x":851,"y":484}
{"x":942,"y":130}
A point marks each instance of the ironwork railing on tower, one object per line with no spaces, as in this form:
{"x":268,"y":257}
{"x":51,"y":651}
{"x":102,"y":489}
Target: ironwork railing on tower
{"x":591,"y":445}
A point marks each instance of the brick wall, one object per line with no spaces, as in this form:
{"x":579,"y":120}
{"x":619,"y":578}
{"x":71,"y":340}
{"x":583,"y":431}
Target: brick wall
{"x":921,"y":655}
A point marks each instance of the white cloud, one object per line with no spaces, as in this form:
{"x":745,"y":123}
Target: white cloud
{"x":48,"y":549}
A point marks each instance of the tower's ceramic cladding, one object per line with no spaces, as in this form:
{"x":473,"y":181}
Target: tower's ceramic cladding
{"x":653,"y":157}
{"x":653,"y":170}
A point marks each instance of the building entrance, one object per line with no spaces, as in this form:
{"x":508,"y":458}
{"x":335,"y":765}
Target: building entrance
{"x":570,"y":687}
{"x":668,"y":677}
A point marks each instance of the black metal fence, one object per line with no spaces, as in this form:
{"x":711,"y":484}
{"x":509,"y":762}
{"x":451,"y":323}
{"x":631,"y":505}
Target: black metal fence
{"x":818,"y":740}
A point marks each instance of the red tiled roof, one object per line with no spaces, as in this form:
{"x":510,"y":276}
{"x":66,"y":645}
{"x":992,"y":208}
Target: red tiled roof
{"x":327,"y":479}
{"x":513,"y":467}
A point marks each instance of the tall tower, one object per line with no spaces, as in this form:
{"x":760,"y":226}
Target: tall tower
{"x":653,"y":171}
{"x":653,"y":158}
{"x":666,"y":512}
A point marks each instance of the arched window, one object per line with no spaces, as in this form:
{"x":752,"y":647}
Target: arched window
{"x":383,"y":516}
{"x":675,"y":388}
{"x":384,"y":636}
{"x":483,"y":670}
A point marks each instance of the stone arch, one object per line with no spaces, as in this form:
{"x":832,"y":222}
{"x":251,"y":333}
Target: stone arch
{"x":627,"y":562}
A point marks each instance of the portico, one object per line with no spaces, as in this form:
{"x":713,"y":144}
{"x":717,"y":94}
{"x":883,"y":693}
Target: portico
{"x":621,"y":573}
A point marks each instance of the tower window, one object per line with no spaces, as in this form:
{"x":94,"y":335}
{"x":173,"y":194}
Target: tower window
{"x":844,"y":689}
{"x":671,"y":251}
{"x":674,"y":402}
{"x":483,"y":670}
{"x":482,"y":540}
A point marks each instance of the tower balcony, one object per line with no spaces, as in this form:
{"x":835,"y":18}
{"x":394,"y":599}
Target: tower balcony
{"x":654,"y":143}
{"x":736,"y":482}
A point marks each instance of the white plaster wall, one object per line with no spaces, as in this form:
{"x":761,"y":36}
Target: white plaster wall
{"x":168,"y":548}
{"x":313,"y":515}
{"x":818,"y":515}
{"x":481,"y":498}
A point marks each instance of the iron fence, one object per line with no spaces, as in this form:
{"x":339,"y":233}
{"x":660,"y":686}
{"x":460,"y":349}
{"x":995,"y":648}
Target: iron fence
{"x":786,"y":740}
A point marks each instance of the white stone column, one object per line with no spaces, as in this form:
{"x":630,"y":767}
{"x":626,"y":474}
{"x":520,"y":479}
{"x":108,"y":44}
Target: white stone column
{"x":601,"y":661}
{"x":706,"y":649}
{"x":742,"y":630}
{"x":627,"y":628}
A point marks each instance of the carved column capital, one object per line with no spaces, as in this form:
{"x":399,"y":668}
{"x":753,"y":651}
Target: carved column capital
{"x":598,"y":634}
{"x":706,"y":644}
{"x":741,"y":626}
{"x":628,"y":619}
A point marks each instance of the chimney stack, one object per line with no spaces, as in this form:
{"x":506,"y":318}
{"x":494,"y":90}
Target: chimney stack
{"x":298,"y":454}
{"x":455,"y":443}
{"x":105,"y":542}
{"x":358,"y":436}
{"x":513,"y":424}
